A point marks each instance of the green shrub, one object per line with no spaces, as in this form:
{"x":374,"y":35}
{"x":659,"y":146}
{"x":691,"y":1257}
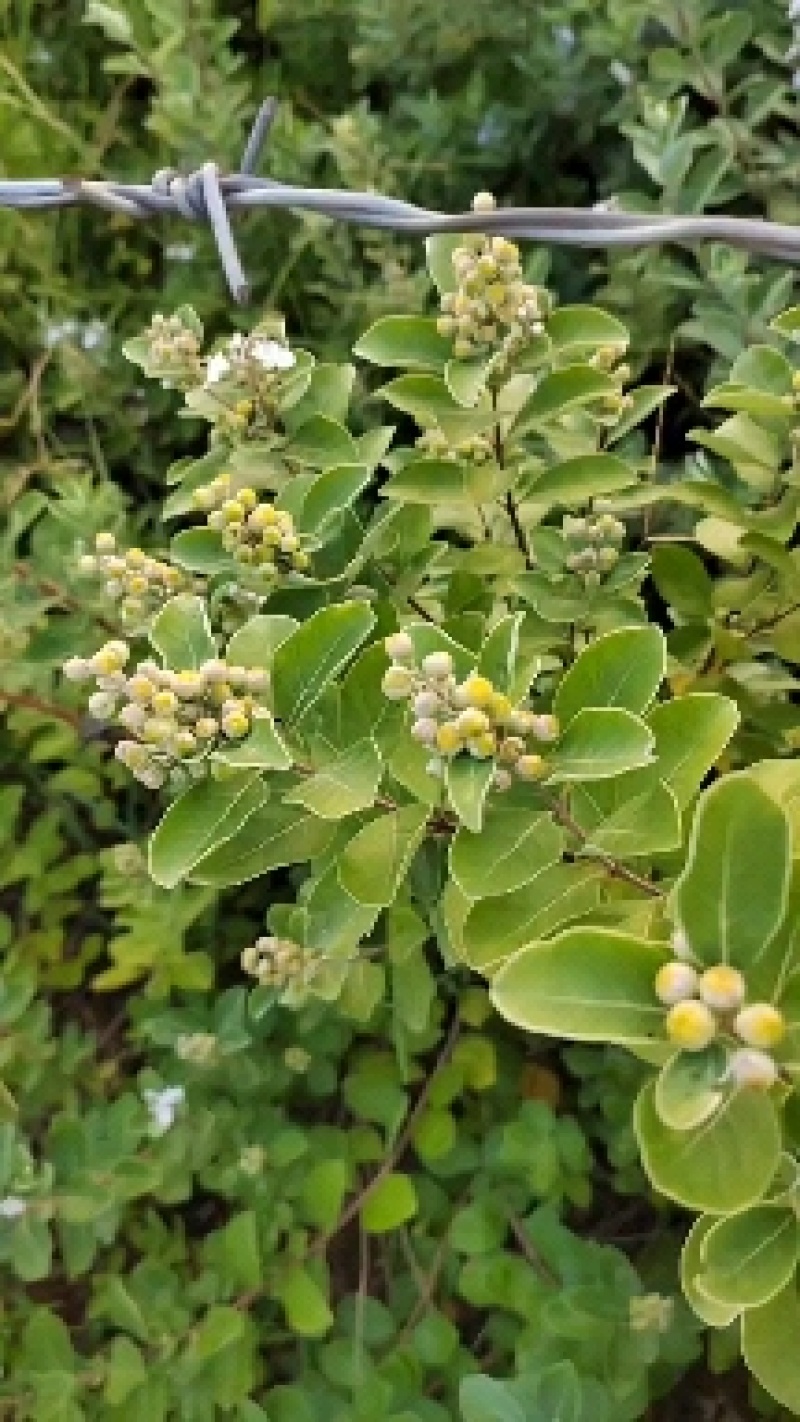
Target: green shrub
{"x":269,"y":1149}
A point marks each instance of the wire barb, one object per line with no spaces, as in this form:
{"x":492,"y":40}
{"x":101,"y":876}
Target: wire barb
{"x":209,"y":196}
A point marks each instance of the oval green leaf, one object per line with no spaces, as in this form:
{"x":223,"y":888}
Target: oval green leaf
{"x":731,"y":897}
{"x":181,"y":634}
{"x":690,"y":1087}
{"x":513,"y":847}
{"x":720,"y":1167}
{"x":310,"y":658}
{"x":769,"y":1344}
{"x":750,"y":1257}
{"x":208,"y":815}
{"x":587,"y":984}
{"x":600,"y":743}
{"x":623,"y":668}
{"x":715,"y":1314}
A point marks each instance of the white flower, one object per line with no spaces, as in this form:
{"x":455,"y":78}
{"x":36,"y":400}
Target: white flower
{"x":93,"y":334}
{"x":564,"y":36}
{"x":794,"y":9}
{"x":12,"y":1207}
{"x":621,"y":73}
{"x":217,"y":366}
{"x":163,"y":1107}
{"x":56,"y":331}
{"x":271,"y":355}
{"x":179,"y":251}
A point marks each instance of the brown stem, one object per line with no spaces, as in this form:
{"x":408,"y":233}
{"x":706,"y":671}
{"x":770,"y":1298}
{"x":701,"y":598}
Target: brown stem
{"x":401,"y":1144}
{"x":767,"y":622}
{"x":509,"y":502}
{"x":54,"y":590}
{"x":537,"y":1264}
{"x":27,"y":702}
{"x":610,"y":864}
{"x":519,"y":532}
{"x":412,"y":601}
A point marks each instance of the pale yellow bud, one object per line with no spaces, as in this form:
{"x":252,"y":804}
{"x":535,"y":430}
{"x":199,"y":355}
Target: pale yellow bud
{"x":531,"y":767}
{"x":676,"y":982}
{"x":478,"y":691}
{"x":691,"y":1025}
{"x":722,"y":988}
{"x":449,"y":739}
{"x":760,"y":1025}
{"x":398,"y":683}
{"x":752,"y":1069}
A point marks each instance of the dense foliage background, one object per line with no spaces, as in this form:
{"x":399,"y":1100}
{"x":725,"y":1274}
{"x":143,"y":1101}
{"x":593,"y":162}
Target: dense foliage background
{"x":135,"y":1279}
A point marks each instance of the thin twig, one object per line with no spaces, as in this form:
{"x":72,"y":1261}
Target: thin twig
{"x":60,"y":595}
{"x":401,"y":1144}
{"x":26,"y":702}
{"x":610,"y":864}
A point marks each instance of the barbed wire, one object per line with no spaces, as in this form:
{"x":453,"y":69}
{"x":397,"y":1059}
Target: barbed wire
{"x":207,"y":195}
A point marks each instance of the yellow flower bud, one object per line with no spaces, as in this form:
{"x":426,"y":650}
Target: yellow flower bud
{"x":449,"y":739}
{"x":473,"y":722}
{"x":499,"y":706}
{"x":511,"y":748}
{"x":110,"y":658}
{"x":247,"y":498}
{"x":722,"y":988}
{"x":141,"y":689}
{"x":188,"y":683}
{"x":206,"y":728}
{"x":264,"y":516}
{"x":158,"y":730}
{"x":164,"y":702}
{"x":398,"y":683}
{"x":105,"y":543}
{"x":531,"y":767}
{"x":483,"y":746}
{"x":137,"y":585}
{"x":235,"y":725}
{"x":691,"y":1025}
{"x":675,"y":982}
{"x":478,"y":691}
{"x":760,"y":1025}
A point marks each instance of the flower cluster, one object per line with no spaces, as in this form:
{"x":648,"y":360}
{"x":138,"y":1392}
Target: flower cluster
{"x":472,"y":716}
{"x":140,"y":583}
{"x":175,"y":350}
{"x":706,"y":1004}
{"x":493,"y":311}
{"x":249,"y":360}
{"x":245,"y":375}
{"x":176,"y":717}
{"x":258,"y":535}
{"x":277,"y":962}
{"x":434,"y":443}
{"x":594,"y":544}
{"x":607,"y":358}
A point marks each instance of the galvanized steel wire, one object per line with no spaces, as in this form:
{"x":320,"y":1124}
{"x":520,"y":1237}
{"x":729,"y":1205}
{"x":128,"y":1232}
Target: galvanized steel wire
{"x":207,"y":195}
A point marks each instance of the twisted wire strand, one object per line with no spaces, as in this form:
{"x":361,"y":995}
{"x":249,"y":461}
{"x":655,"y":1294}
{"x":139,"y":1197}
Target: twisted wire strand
{"x":207,"y":195}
